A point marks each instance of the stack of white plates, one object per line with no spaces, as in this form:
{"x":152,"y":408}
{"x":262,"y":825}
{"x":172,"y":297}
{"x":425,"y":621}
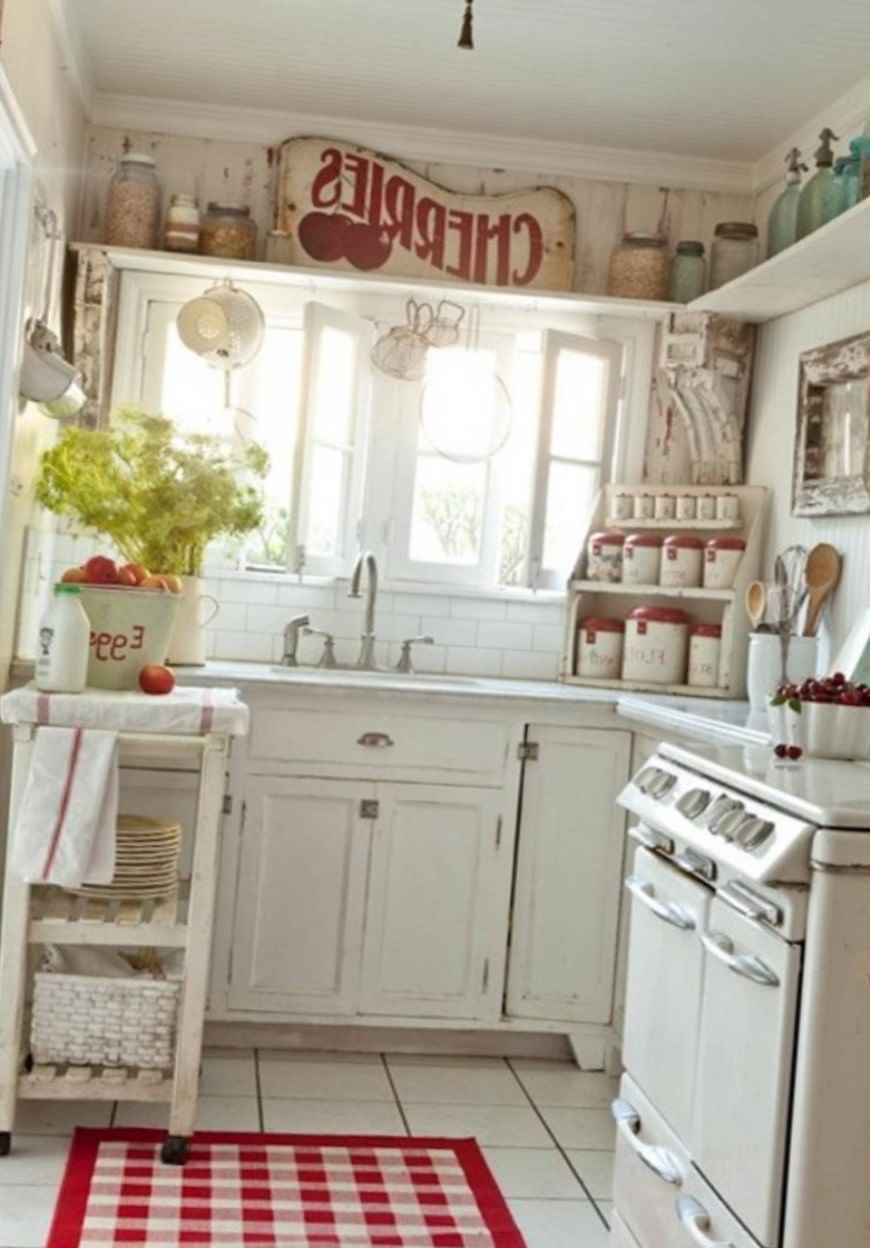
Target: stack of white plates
{"x":146,"y":861}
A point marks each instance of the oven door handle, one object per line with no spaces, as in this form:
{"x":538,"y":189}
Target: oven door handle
{"x":696,"y":1220}
{"x":659,"y":1160}
{"x":745,"y":964}
{"x":667,"y":911}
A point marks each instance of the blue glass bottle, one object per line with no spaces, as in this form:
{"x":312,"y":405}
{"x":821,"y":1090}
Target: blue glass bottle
{"x":846,"y":180}
{"x":782,"y":222}
{"x":818,"y":198}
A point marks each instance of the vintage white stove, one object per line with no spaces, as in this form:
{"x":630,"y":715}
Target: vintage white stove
{"x":744,"y":1114}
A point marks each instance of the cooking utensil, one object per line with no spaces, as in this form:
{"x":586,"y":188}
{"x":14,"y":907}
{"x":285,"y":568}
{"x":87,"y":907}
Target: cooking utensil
{"x":822,"y":575}
{"x":756,"y":603}
{"x":780,"y":576}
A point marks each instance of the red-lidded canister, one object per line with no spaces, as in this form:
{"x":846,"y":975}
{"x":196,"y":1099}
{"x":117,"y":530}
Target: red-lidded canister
{"x":682,"y":558}
{"x":641,"y":559}
{"x":722,"y":557}
{"x":599,"y":648}
{"x":604,"y":556}
{"x":656,"y":645}
{"x":705,"y":648}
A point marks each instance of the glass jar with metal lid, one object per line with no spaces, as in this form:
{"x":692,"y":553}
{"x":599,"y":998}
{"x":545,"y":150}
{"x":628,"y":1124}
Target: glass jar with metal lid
{"x":734,"y":251}
{"x":133,"y":202}
{"x":688,"y":272}
{"x":228,"y":231}
{"x":639,"y":267}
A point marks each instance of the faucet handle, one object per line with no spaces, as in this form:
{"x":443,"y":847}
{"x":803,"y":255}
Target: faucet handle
{"x":404,"y":663}
{"x":327,"y":659}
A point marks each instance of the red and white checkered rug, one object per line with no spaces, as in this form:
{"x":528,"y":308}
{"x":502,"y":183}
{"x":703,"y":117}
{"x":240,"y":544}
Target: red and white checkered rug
{"x":302,"y":1191}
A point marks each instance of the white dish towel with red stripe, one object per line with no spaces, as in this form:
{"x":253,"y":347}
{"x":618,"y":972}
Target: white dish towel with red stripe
{"x":65,"y":831}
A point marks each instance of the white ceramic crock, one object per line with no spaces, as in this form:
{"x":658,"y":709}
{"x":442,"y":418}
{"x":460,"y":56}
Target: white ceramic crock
{"x":722,"y":557}
{"x":641,"y":559}
{"x":764,"y":665}
{"x":682,"y":560}
{"x":196,"y":610}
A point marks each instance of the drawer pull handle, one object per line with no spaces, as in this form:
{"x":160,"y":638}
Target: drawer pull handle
{"x":376,"y":740}
{"x":696,"y":1220}
{"x":745,"y":964}
{"x":667,"y":911}
{"x":659,"y":1160}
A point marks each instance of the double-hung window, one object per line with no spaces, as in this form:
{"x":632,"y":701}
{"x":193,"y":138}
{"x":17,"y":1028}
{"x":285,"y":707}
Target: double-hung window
{"x":361,"y":460}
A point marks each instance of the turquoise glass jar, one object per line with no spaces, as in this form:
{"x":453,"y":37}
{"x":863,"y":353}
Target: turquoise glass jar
{"x":782,"y":222}
{"x":688,"y":272}
{"x":818,"y":201}
{"x":847,"y":172}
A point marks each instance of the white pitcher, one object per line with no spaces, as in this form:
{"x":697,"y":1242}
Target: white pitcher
{"x":196,"y":610}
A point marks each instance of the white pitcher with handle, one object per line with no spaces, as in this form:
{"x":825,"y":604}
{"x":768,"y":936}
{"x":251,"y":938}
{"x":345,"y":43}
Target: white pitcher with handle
{"x":196,"y":610}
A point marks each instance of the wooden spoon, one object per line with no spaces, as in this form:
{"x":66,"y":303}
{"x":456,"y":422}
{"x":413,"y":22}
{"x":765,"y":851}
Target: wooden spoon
{"x":756,"y":602}
{"x":821,"y":574}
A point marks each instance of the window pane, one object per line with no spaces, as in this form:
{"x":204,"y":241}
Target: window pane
{"x":446,"y":522}
{"x":514,"y":465}
{"x":192,"y":392}
{"x":327,"y":497}
{"x":465,"y":412}
{"x":572,"y":489}
{"x":578,"y":418}
{"x":333,"y":390}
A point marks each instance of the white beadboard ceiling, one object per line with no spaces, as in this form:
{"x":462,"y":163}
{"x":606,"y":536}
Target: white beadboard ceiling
{"x":721,"y":79}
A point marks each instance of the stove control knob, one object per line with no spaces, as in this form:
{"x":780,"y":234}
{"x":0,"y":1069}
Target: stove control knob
{"x":646,"y":778}
{"x":728,"y":825}
{"x":693,"y":803}
{"x":749,"y":826}
{"x":721,"y":809}
{"x":662,"y":784}
{"x":760,"y":836}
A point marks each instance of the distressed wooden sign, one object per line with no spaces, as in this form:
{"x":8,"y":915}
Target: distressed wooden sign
{"x":351,"y":208}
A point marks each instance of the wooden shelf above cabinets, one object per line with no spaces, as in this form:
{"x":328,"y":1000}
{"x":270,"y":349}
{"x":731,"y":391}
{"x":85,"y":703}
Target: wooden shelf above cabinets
{"x":832,"y":259}
{"x":638,"y":686}
{"x":674,"y":526}
{"x":650,"y":591}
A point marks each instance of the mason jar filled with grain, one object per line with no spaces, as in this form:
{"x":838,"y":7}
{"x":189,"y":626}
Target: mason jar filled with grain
{"x":228,"y":231}
{"x":133,"y":203}
{"x":639,"y":267}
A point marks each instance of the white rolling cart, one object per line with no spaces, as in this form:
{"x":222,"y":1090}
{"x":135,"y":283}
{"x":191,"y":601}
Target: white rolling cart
{"x":187,"y":731}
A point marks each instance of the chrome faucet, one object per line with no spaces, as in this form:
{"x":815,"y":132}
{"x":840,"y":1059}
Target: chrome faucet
{"x":366,"y":560}
{"x":291,"y":640}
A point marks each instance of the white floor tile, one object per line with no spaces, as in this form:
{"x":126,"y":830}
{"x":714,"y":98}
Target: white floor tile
{"x":214,"y":1113}
{"x":228,"y":1076}
{"x":353,"y":1117}
{"x":34,"y":1159}
{"x":511,"y":1126}
{"x":562,"y":1084}
{"x":59,"y":1117}
{"x":581,"y":1128}
{"x":25,"y":1214}
{"x":559,"y":1224}
{"x":357,"y":1077}
{"x":533,"y":1174}
{"x":469,"y":1082}
{"x":595,"y":1169}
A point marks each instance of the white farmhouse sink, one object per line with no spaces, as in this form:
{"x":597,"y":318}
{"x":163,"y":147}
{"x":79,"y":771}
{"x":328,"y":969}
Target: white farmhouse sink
{"x":353,"y":676}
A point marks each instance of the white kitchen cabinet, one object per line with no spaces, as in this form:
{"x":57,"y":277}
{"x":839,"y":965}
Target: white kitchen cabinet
{"x":571,"y":838}
{"x":437,"y":912}
{"x":300,"y":903}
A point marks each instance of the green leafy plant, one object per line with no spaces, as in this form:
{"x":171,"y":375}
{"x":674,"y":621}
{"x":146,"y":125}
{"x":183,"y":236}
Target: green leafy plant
{"x":159,"y":494}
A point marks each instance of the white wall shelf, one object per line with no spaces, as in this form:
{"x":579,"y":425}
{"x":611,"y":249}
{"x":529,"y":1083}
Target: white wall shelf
{"x":650,"y":591}
{"x":832,"y":259}
{"x":672,"y":526}
{"x":639,"y":686}
{"x":211,"y":269}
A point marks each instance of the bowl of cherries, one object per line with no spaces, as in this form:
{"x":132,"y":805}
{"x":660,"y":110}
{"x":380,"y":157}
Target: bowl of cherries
{"x":825,"y":717}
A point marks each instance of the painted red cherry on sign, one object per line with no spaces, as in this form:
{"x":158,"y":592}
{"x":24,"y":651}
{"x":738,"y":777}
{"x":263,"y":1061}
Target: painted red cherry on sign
{"x":367,"y":246}
{"x":322,"y":234}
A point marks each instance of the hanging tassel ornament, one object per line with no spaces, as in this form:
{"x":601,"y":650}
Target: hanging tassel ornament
{"x":466,"y":34}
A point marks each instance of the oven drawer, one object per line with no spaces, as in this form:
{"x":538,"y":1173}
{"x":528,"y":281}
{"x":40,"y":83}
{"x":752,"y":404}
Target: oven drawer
{"x":745,"y":1058}
{"x":379,"y":739}
{"x":661,"y":1200}
{"x":665,"y":977}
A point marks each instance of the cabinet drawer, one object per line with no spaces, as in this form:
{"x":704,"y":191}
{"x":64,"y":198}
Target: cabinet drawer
{"x":658,"y":1193}
{"x":381,"y":740}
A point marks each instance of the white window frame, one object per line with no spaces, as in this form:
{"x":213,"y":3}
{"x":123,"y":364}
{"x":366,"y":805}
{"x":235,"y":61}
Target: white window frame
{"x":554,"y":341}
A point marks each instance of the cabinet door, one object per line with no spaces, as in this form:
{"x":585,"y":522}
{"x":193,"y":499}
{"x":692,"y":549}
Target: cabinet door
{"x":301,"y":893}
{"x":436,"y":922}
{"x":566,"y":909}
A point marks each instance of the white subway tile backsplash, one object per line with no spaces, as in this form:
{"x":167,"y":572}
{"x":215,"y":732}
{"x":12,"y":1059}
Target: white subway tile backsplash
{"x":249,"y":647}
{"x":534,"y":613}
{"x":504,"y":635}
{"x":423,"y":658}
{"x":397,"y":627}
{"x":238,"y":589}
{"x":231,"y":617}
{"x":420,"y":604}
{"x":306,"y":596}
{"x":450,"y":632}
{"x":527,"y":665}
{"x":470,"y":661}
{"x":548,"y":637}
{"x":477,"y":609}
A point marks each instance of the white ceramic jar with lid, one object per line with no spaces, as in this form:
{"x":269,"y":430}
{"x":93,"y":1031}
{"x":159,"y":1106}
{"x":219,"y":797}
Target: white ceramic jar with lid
{"x":641,"y":559}
{"x":622,"y":506}
{"x":682,"y":559}
{"x":665,"y":507}
{"x":705,"y":646}
{"x":687,"y":507}
{"x":599,"y":649}
{"x":604,"y":556}
{"x":656,"y":646}
{"x":63,"y":643}
{"x":722,"y":557}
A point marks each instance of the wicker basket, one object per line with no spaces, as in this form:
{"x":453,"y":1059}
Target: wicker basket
{"x":85,"y":1020}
